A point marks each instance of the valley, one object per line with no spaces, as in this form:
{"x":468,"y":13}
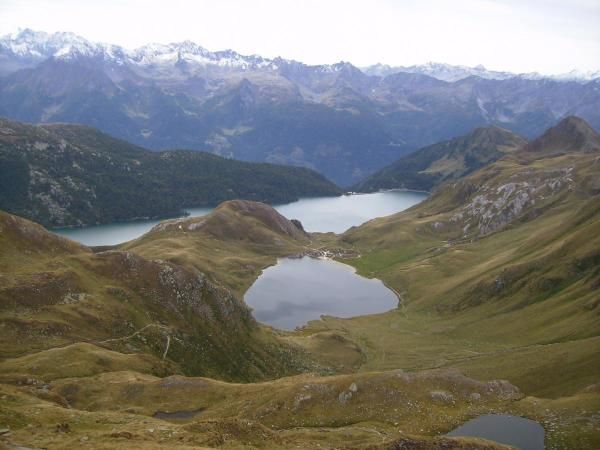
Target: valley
{"x":498,"y":276}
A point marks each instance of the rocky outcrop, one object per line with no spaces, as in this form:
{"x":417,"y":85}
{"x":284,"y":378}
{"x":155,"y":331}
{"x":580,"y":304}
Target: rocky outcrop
{"x":347,"y":394}
{"x":182,"y":291}
{"x":525,"y":183}
{"x":493,"y":206}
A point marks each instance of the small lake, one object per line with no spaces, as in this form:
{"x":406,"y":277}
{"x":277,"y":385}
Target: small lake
{"x":177,"y":415}
{"x":519,"y":432}
{"x":335,"y":214}
{"x":295,"y":291}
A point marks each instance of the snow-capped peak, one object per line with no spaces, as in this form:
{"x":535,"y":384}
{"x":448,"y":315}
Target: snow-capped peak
{"x":579,"y":75}
{"x":192,"y":53}
{"x":444,"y":72}
{"x":27,"y":47}
{"x":451,"y":73}
{"x":27,"y":43}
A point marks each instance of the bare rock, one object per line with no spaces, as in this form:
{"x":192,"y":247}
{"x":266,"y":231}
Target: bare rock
{"x":442,"y":397}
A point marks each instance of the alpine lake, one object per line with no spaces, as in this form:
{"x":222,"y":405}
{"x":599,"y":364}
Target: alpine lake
{"x":295,"y":291}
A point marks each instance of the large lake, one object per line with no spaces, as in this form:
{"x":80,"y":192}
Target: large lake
{"x":335,"y":214}
{"x":519,"y":432}
{"x":295,"y":291}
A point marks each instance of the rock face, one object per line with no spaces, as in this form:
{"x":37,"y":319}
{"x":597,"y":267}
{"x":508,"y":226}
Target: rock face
{"x":298,"y":224}
{"x":183,"y":292}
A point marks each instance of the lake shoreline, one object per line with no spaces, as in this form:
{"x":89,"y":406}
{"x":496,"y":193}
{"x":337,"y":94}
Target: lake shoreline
{"x":334,"y":214}
{"x":185,"y":210}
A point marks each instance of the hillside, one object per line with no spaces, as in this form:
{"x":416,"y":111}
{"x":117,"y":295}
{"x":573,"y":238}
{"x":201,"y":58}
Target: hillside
{"x":508,"y":253}
{"x":95,"y":347}
{"x":571,"y":135}
{"x":279,"y":414}
{"x":167,"y":317}
{"x":499,"y":275}
{"x":428,"y":167}
{"x":333,"y":118}
{"x":233,"y":243}
{"x":72,"y":175}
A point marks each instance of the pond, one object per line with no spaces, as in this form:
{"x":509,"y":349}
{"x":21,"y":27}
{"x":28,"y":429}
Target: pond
{"x":175,"y":415}
{"x":519,"y":432}
{"x":295,"y":291}
{"x":335,"y":214}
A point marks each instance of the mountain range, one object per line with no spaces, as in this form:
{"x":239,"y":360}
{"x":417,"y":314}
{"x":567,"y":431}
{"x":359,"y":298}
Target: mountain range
{"x":451,"y":73}
{"x":26,"y":48}
{"x":337,"y":119}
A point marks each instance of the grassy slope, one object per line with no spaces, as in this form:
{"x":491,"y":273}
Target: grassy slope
{"x":55,"y":293}
{"x":231,"y":244}
{"x":80,"y":360}
{"x":469,"y":300}
{"x":419,"y":336}
{"x":350,"y":411}
{"x":514,"y":299}
{"x":236,"y":413}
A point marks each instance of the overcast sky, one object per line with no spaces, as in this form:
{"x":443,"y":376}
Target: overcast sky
{"x":548,"y":36}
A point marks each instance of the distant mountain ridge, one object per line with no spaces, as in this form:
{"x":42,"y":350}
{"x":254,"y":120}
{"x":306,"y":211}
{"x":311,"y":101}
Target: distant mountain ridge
{"x":451,"y":73}
{"x":30,"y":47}
{"x":572,"y":134}
{"x":449,"y":160}
{"x":333,"y":118}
